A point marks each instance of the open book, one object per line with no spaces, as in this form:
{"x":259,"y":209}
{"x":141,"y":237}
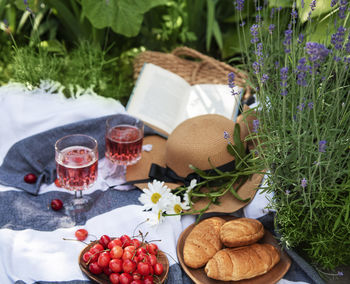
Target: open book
{"x":164,"y":99}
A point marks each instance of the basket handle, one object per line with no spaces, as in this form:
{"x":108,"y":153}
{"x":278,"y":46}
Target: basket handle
{"x":240,"y":77}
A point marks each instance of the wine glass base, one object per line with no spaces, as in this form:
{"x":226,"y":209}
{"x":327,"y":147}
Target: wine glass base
{"x":77,"y":208}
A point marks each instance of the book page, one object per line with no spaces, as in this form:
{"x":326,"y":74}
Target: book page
{"x":158,"y":97}
{"x":212,"y":99}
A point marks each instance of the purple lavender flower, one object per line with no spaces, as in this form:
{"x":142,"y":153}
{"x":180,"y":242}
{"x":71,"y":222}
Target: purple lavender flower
{"x":239,"y":5}
{"x":302,"y":3}
{"x":254,"y":32}
{"x":303,"y":182}
{"x":242,"y":24}
{"x":317,"y":52}
{"x":271,"y":28}
{"x":258,"y":18}
{"x":342,"y":8}
{"x":256,"y":67}
{"x":259,"y":8}
{"x":310,"y":105}
{"x":322,"y":146}
{"x":302,"y":70}
{"x":264,"y":78}
{"x":284,"y":77}
{"x":226,"y":135}
{"x":313,"y":5}
{"x":338,"y":38}
{"x":334,"y":2}
{"x":25,"y":2}
{"x":231,"y":78}
{"x":273,"y":10}
{"x":301,"y":107}
{"x":294,"y":15}
{"x":258,"y":51}
{"x":6,"y":23}
{"x":255,"y":125}
{"x":287,"y":38}
{"x":287,"y":192}
{"x":300,"y":38}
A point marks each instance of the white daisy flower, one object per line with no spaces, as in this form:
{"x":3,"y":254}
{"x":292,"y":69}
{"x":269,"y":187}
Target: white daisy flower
{"x":176,"y":206}
{"x":189,"y":189}
{"x":156,"y":195}
{"x":156,"y":216}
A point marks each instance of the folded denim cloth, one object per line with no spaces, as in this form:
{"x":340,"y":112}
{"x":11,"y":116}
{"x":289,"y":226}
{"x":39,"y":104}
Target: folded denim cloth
{"x":36,"y":154}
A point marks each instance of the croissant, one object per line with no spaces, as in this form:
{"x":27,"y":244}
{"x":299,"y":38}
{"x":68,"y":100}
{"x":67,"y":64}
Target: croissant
{"x":232,"y":264}
{"x":241,"y":232}
{"x":203,"y":242}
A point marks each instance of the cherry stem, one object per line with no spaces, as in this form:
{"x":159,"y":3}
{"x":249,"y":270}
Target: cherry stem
{"x":65,"y":239}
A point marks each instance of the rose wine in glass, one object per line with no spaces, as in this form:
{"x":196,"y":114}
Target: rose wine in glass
{"x":124,"y":144}
{"x":124,"y":137}
{"x":76,"y":164}
{"x":77,"y":168}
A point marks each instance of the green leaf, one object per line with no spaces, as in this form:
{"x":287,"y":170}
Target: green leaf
{"x":322,"y":7}
{"x":210,"y":22}
{"x":217,"y":34}
{"x":321,"y":31}
{"x":123,"y":16}
{"x":237,"y":140}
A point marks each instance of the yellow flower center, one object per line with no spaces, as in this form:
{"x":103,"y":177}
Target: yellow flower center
{"x":177,"y":208}
{"x":155,"y":197}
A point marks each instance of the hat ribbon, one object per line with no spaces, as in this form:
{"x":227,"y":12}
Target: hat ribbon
{"x":166,"y":174}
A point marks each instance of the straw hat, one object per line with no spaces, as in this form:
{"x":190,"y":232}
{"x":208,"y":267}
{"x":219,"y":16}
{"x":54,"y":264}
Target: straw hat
{"x":193,"y":142}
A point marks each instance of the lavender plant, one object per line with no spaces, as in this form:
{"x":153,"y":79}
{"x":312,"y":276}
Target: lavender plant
{"x":303,"y":126}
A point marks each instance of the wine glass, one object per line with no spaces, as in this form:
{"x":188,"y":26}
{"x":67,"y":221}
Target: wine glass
{"x":76,"y":158}
{"x":124,"y":137}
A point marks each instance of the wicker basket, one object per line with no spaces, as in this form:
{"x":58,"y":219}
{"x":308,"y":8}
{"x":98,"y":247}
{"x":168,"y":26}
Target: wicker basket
{"x":193,"y":66}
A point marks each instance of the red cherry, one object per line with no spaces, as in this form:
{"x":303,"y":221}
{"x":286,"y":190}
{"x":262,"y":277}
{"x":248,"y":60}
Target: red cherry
{"x":103,"y":259}
{"x":125,"y":278}
{"x":107,"y":271}
{"x":126,"y":241}
{"x":152,"y":248}
{"x":143,"y":268}
{"x":116,"y":265}
{"x":151,"y":259}
{"x":129,"y":266}
{"x":104,"y":241}
{"x":95,"y":268}
{"x":87,"y":256}
{"x":158,"y":269}
{"x":56,"y":204}
{"x":81,"y":234}
{"x":114,"y":278}
{"x":115,"y":242}
{"x":138,"y":281}
{"x":30,"y":178}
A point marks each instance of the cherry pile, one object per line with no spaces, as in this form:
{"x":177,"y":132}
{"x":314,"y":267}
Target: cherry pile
{"x":124,"y":260}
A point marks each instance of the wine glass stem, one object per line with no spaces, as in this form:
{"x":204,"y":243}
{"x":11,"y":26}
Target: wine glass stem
{"x":78,"y":194}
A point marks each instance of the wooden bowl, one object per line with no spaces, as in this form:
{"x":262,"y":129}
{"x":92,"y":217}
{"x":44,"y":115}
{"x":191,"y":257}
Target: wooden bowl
{"x":200,"y":277}
{"x":103,"y":278}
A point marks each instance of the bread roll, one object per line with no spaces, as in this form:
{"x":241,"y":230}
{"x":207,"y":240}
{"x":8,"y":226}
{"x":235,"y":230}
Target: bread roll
{"x":241,"y":232}
{"x":203,"y":242}
{"x":233,"y":264}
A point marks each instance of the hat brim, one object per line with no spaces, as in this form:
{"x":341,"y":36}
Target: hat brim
{"x":227,"y":203}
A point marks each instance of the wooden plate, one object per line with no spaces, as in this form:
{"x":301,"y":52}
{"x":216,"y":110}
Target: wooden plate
{"x":199,"y":276}
{"x":103,"y":278}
